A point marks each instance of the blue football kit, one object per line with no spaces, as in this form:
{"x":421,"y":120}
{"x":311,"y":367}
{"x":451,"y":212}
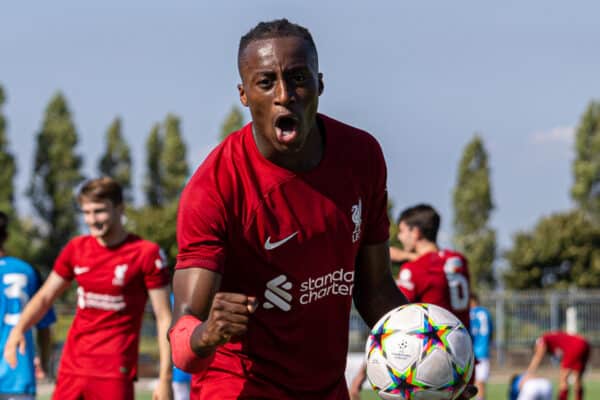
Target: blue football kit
{"x":19,"y":283}
{"x":481,"y":331}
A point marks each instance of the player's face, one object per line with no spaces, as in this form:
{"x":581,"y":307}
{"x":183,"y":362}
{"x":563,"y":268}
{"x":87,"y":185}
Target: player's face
{"x":281,"y":86}
{"x":407,"y":236}
{"x":101,"y":217}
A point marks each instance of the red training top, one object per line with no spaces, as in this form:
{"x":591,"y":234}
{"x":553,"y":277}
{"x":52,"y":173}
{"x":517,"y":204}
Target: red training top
{"x":440,"y":278}
{"x":113,"y":289}
{"x":563,"y":342}
{"x":290,"y":239}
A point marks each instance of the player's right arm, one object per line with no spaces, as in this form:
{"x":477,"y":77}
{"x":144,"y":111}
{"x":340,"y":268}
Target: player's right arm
{"x":37,"y":307}
{"x":538,"y":356}
{"x":400,"y":255}
{"x":219,"y":315}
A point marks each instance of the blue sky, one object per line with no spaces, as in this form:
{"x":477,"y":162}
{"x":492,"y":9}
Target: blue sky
{"x":422,"y":77}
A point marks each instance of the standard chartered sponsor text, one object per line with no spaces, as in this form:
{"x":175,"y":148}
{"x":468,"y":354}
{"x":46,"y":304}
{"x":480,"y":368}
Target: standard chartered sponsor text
{"x":336,"y":283}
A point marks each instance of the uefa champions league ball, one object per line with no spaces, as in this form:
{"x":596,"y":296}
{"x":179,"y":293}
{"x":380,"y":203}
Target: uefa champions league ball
{"x":419,"y":352}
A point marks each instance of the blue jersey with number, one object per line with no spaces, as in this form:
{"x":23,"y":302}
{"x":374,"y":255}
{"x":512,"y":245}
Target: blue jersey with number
{"x":19,"y":283}
{"x":481,"y":331}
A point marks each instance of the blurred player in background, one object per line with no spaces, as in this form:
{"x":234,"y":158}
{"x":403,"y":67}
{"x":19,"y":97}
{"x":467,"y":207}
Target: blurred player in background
{"x":19,"y":282}
{"x":575,"y":352}
{"x":529,"y":387}
{"x":116,"y":272}
{"x":432,"y":275}
{"x":481,"y":332}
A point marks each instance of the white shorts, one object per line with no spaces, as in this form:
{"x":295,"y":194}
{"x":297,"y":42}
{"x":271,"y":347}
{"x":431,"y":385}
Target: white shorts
{"x":17,"y":397}
{"x":181,"y":390}
{"x":536,"y":389}
{"x":482,"y":370}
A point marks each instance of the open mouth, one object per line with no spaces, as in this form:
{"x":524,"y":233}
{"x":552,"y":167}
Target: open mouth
{"x":286,"y":128}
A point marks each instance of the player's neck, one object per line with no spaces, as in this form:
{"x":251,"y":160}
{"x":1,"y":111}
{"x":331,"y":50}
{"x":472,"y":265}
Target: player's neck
{"x":2,"y":252}
{"x":113,"y":238}
{"x":424,"y":247}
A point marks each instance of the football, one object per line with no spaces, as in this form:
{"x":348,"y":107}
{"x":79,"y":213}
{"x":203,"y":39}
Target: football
{"x":419,"y":352}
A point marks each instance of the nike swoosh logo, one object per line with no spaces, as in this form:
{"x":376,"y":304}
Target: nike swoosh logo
{"x":80,"y":270}
{"x":274,"y":245}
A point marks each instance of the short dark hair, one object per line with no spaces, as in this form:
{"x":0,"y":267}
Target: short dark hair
{"x":276,"y":28}
{"x":424,"y":217}
{"x":3,"y":227}
{"x":100,"y":189}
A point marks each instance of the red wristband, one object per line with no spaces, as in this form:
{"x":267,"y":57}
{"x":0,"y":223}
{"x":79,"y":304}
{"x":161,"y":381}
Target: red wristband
{"x":184,"y":357}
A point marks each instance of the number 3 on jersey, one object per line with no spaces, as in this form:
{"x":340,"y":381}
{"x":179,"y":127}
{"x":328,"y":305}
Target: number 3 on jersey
{"x":15,"y":290}
{"x":457,"y":283}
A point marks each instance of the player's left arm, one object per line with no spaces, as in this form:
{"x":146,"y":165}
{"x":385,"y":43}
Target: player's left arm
{"x":159,"y":298}
{"x":375,"y":291}
{"x":538,"y":356}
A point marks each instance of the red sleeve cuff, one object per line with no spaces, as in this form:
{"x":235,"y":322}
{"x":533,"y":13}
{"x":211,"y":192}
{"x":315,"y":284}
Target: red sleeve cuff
{"x":184,"y":357}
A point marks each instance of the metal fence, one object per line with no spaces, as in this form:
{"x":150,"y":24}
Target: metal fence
{"x":521,"y":317}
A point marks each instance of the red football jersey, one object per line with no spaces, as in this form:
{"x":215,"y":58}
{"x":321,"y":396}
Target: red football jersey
{"x":562,"y":342}
{"x":290,"y":239}
{"x":112,"y":291}
{"x":440,"y":278}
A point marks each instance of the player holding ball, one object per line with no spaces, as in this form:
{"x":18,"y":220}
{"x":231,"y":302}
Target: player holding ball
{"x":281,"y":227}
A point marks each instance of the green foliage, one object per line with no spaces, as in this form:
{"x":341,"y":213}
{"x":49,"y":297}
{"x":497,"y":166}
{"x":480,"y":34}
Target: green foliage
{"x":116,"y":160}
{"x":174,"y":168}
{"x":8,"y":167}
{"x":152,"y":186}
{"x":563,"y":250}
{"x":56,"y":174}
{"x":17,"y":244}
{"x":586,"y":166}
{"x":472,"y":208}
{"x":233,"y":121}
{"x":157,"y":224}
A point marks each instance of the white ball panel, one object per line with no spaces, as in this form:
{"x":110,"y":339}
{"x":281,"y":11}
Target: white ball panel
{"x":402,"y":350}
{"x":442,"y":316}
{"x":461,"y":346}
{"x":408,"y":319}
{"x":377,"y":371}
{"x":436,"y":369}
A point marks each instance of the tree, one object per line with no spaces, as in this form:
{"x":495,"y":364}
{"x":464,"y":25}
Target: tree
{"x":56,"y":173}
{"x":562,"y":250}
{"x":152,"y":186}
{"x":17,"y":244}
{"x":174,"y":169}
{"x":157,"y":224}
{"x":233,"y":122}
{"x":116,"y":161}
{"x":472,"y":207}
{"x":8,"y":166}
{"x":586,"y":166}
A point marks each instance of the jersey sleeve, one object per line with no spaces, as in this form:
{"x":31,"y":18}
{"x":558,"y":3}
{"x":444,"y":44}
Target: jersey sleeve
{"x":156,"y":273}
{"x":201,"y":227}
{"x":377,"y":226}
{"x":63,"y":265}
{"x":406,"y":284}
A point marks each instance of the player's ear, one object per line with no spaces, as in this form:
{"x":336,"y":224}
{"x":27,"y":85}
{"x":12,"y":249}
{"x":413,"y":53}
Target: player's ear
{"x":321,"y":84}
{"x":242,"y":92}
